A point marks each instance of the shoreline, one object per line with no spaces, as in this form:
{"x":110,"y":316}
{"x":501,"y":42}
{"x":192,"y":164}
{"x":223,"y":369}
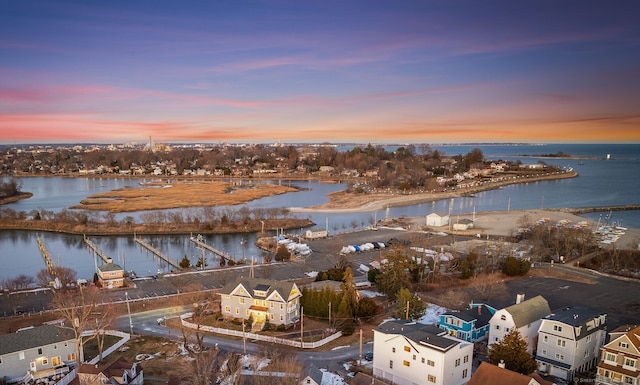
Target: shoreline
{"x":342,"y":202}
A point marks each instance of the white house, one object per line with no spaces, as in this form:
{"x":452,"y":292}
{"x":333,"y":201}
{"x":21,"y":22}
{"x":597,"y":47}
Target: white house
{"x":526,"y":316}
{"x":120,"y":372}
{"x":569,"y":341}
{"x":41,"y":351}
{"x":261,"y":300}
{"x":437,"y":219}
{"x":413,"y":353}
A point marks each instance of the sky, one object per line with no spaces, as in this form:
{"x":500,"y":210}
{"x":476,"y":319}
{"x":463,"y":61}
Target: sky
{"x":371,"y":71}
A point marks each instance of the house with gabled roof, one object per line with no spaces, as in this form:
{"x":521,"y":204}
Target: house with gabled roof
{"x":620,"y":358}
{"x":569,"y":341}
{"x":36,"y":352}
{"x":525,"y":316}
{"x":412,"y":353}
{"x":110,"y":275}
{"x":261,"y":299}
{"x":120,"y":372}
{"x":471,"y":325}
{"x":489,"y":374}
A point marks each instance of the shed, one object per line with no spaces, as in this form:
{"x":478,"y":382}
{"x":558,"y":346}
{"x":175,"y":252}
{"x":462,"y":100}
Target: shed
{"x":437,"y":219}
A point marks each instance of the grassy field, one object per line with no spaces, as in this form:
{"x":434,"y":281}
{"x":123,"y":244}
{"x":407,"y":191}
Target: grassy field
{"x":179,"y":194}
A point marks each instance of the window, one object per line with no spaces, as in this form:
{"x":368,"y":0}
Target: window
{"x":457,"y":362}
{"x":406,"y":363}
{"x":237,"y":311}
{"x":557,"y":328}
{"x":495,"y":339}
{"x":308,"y":380}
{"x":407,"y":349}
{"x":561,"y":342}
{"x":586,"y":354}
{"x":630,"y":362}
{"x":589,"y":338}
{"x":227,"y":309}
{"x":246,"y":312}
{"x":431,"y":378}
{"x":270,"y":315}
{"x":623,"y":344}
{"x":55,"y":361}
{"x":431,"y":363}
{"x":71,"y":357}
{"x":503,"y":317}
{"x":39,"y":351}
{"x":281,"y":317}
{"x":45,"y":361}
{"x":559,"y":356}
{"x":497,"y":327}
{"x":464,"y":373}
{"x":21,"y":355}
{"x":55,"y":347}
{"x":466,"y":359}
{"x":241,"y":300}
{"x":414,"y":357}
{"x":281,"y":306}
{"x":390,"y":364}
{"x":422,"y":359}
{"x":545,"y":339}
{"x":393,"y":350}
{"x":544,"y":352}
{"x":506,"y":330}
{"x":610,"y":357}
{"x":628,"y":380}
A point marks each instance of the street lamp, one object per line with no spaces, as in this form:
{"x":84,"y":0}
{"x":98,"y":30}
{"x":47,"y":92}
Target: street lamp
{"x":126,"y":295}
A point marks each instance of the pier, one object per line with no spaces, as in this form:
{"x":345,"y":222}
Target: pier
{"x":46,"y":256}
{"x":198,"y":241}
{"x":96,"y":250}
{"x":157,"y":253}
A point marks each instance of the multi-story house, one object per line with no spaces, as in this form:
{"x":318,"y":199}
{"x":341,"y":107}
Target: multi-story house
{"x":120,"y":372}
{"x":569,"y":341}
{"x":261,"y":300}
{"x":37,"y":352}
{"x":489,"y":374}
{"x":471,"y":325}
{"x":110,"y":275}
{"x":620,"y":358}
{"x":413,"y":353}
{"x":525,"y":316}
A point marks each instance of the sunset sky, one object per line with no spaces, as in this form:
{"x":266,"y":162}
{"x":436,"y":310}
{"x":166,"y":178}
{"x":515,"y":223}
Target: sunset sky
{"x":313,"y":71}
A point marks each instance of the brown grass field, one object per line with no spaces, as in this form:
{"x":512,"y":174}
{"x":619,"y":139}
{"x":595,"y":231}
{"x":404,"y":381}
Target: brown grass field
{"x":179,"y":194}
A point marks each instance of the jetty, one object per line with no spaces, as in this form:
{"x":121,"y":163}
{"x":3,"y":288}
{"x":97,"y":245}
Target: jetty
{"x":46,"y":256}
{"x":198,"y":241}
{"x":96,"y":250}
{"x":157,"y":253}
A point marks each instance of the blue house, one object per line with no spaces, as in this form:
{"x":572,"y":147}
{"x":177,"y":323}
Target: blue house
{"x":471,"y":325}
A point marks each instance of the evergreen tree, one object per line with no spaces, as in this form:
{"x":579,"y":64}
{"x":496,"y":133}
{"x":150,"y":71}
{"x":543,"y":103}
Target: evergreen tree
{"x":184,"y":262}
{"x":512,"y":350}
{"x":393,"y":275}
{"x":416,"y":306}
{"x":349,"y":291}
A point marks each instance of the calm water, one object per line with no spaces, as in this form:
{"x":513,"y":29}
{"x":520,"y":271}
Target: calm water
{"x":601,"y":183}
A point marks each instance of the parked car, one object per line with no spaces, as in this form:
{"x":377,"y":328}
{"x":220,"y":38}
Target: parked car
{"x":368,"y":356}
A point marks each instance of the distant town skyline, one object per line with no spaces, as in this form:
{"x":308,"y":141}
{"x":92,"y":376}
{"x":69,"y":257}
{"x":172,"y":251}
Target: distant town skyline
{"x":269,"y":71}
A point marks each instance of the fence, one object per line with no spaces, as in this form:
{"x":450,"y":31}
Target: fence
{"x":124,"y":337}
{"x":259,"y":337}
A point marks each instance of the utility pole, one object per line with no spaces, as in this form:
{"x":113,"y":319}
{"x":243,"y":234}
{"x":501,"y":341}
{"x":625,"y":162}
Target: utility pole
{"x":301,"y":326}
{"x":406,"y":316}
{"x":329,"y":313}
{"x":126,"y":295}
{"x":360,"y":355}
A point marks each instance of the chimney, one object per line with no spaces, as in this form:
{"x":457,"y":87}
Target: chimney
{"x":519,"y":298}
{"x":479,"y":309}
{"x":501,"y":364}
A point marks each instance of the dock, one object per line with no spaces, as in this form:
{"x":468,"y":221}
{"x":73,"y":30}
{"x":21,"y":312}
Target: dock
{"x":157,"y":253}
{"x":46,"y":256}
{"x":96,"y":250}
{"x":197,"y":240}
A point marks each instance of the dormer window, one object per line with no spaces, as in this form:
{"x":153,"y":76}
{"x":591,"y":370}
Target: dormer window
{"x":623,"y":345}
{"x":261,"y":290}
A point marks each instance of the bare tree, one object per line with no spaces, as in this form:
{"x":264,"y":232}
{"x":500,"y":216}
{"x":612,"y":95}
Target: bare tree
{"x":283,"y":368}
{"x":82,"y":312}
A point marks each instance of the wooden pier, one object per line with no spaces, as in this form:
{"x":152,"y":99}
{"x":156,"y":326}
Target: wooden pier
{"x":46,"y":256}
{"x":219,"y":253}
{"x":157,"y":253}
{"x":96,"y":250}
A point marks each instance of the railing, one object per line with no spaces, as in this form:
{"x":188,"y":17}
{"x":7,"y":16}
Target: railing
{"x":68,"y":378}
{"x":259,"y":337}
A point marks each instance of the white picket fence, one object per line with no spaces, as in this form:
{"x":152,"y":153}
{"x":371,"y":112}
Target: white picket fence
{"x":124,"y":338}
{"x":258,"y":337}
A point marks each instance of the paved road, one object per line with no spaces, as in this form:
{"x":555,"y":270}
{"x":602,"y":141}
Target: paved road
{"x":146,"y":323}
